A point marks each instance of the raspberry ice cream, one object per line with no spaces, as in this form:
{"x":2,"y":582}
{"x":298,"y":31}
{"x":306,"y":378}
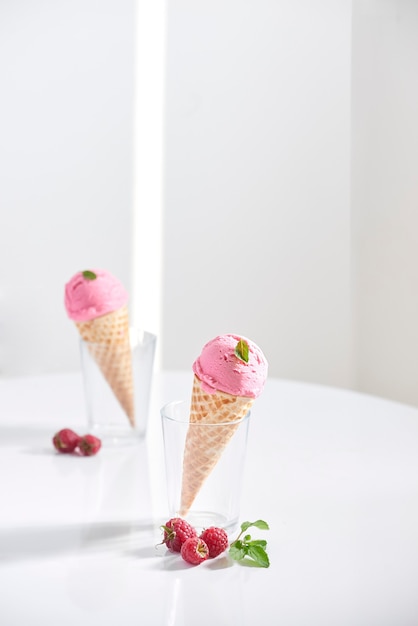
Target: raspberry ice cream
{"x":220,"y":369}
{"x":87,"y":298}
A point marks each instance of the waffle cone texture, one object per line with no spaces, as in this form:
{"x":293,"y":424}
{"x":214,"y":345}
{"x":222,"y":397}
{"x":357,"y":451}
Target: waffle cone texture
{"x":204,"y":445}
{"x":108,"y":344}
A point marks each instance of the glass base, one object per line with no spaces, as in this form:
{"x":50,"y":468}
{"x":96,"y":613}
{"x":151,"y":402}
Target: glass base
{"x":204,"y":519}
{"x":116,"y":435}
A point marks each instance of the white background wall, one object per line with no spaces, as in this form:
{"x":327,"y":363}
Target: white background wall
{"x":257,"y":231}
{"x":289,"y":185}
{"x":66,"y":96}
{"x":385,"y":196}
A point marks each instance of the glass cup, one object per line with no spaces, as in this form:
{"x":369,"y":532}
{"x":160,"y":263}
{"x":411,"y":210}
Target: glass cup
{"x":204,"y":467}
{"x":117,"y":386}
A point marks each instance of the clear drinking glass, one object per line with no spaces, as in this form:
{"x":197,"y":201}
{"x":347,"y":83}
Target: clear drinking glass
{"x":204,"y":467}
{"x":117,"y":403}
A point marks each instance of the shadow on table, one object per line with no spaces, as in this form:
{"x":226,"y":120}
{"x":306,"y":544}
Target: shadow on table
{"x":26,"y":435}
{"x":48,"y":541}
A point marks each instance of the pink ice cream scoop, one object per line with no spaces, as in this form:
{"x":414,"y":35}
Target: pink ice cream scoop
{"x":221,"y":367}
{"x":94,"y":293}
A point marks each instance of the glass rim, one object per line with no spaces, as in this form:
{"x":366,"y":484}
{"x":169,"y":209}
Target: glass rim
{"x":135,"y":332}
{"x":185,"y":420}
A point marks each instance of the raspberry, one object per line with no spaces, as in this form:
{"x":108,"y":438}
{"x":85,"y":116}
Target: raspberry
{"x":216,"y":539}
{"x":176,"y":531}
{"x":89,"y":445}
{"x":194,"y":550}
{"x":65,"y":440}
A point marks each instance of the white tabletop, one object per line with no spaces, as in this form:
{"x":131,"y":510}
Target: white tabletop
{"x":334,"y":473}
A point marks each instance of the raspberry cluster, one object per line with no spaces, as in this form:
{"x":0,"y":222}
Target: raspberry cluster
{"x":67,"y":441}
{"x":182,"y":537}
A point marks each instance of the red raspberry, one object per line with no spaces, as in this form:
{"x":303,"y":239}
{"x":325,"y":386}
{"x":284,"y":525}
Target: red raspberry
{"x":216,"y":539}
{"x":194,"y":550}
{"x":89,"y":445}
{"x":176,"y":531}
{"x":65,"y":440}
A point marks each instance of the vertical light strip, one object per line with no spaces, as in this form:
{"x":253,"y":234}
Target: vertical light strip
{"x":150,"y":43}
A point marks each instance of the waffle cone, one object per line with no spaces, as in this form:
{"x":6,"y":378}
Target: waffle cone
{"x":204,"y":446}
{"x":108,"y":344}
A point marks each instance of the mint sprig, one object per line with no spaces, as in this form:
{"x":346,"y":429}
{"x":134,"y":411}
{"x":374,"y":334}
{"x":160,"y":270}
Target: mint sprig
{"x":242,"y":350}
{"x":252,"y":549}
{"x":88,"y":275}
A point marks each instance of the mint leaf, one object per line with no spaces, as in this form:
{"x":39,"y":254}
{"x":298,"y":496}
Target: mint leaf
{"x":259,"y":542}
{"x":258,"y":524}
{"x":88,"y":275}
{"x":242,"y":350}
{"x":237,"y":552}
{"x":259,"y":555}
{"x":254,"y":549}
{"x":261,"y":524}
